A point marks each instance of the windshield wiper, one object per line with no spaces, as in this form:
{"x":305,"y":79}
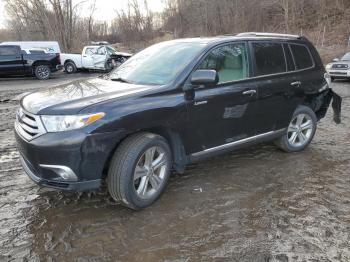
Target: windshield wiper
{"x":119,"y":79}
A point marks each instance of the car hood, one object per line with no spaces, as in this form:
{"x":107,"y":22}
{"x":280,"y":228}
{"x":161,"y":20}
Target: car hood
{"x":340,"y":63}
{"x":73,"y":97}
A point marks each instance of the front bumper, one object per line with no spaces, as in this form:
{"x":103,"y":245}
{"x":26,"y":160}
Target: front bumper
{"x":69,"y":160}
{"x":339,"y":73}
{"x":63,"y":185}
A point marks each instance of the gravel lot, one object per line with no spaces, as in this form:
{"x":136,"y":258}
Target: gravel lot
{"x":256,"y":204}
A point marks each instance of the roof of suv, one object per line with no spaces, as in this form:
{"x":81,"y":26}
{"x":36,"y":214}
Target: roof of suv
{"x":248,"y":35}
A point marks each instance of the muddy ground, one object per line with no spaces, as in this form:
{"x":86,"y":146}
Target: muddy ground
{"x":256,"y":204}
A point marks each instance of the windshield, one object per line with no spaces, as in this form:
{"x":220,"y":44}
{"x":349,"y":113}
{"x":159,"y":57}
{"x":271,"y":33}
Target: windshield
{"x":158,"y":64}
{"x":346,"y":57}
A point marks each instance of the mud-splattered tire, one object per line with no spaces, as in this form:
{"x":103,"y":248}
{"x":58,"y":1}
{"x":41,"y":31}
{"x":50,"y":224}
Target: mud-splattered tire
{"x":70,"y":68}
{"x":139,"y":170}
{"x":42,"y":72}
{"x":300,"y":132}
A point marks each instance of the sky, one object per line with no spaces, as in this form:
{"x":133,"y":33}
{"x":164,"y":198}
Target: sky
{"x":105,"y":9}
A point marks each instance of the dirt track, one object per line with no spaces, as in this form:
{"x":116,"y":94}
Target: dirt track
{"x":256,"y":204}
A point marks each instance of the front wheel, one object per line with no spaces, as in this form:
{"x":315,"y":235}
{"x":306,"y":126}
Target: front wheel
{"x":300,"y":131}
{"x":42,"y":72}
{"x":139,"y":170}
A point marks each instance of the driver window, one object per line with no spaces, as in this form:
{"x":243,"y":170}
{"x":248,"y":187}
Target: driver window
{"x":230,"y":61}
{"x":101,"y":51}
{"x":90,"y":51}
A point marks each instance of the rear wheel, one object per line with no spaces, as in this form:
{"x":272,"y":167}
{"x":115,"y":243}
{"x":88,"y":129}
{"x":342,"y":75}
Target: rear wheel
{"x":42,"y":72}
{"x":139,"y":170}
{"x":300,"y":132}
{"x":70,"y":68}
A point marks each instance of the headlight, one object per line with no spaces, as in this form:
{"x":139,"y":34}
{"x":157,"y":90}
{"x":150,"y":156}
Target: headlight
{"x":329,"y":66}
{"x":54,"y":123}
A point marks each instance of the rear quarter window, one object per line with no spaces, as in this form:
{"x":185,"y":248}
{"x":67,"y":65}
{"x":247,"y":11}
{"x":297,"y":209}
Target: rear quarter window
{"x":269,"y":58}
{"x":302,"y":56}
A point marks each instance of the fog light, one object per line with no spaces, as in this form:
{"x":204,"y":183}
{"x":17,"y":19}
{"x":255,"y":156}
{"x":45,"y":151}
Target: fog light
{"x":64,"y":172}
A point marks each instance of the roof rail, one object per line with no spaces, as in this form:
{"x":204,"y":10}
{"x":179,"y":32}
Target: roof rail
{"x":268,"y":35}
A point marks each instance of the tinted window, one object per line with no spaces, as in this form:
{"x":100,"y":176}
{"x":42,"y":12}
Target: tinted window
{"x":35,"y":52}
{"x":230,"y":61}
{"x":302,"y":56}
{"x":8,"y":50}
{"x":269,"y":58}
{"x":289,"y":58}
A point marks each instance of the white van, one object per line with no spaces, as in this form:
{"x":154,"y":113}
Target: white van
{"x":48,"y":46}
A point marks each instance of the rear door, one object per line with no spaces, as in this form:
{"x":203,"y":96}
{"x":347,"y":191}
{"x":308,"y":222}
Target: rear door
{"x":11,"y":62}
{"x":223,"y":113}
{"x":273,"y":67}
{"x":307,"y":75}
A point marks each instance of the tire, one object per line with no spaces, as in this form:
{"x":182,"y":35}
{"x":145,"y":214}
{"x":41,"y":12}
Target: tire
{"x":300,"y":132}
{"x":70,"y":68}
{"x":332,"y":79}
{"x":129,"y":170}
{"x":42,"y":72}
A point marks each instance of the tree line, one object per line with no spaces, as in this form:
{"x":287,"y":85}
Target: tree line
{"x":325,"y":22}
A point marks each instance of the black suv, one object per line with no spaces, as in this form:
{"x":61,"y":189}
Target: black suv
{"x":172,"y":104}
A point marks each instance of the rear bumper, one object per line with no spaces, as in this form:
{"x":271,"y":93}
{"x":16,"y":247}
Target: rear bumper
{"x":56,"y":68}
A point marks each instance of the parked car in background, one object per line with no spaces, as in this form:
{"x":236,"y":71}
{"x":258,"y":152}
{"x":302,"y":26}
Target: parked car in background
{"x":171,"y":104}
{"x":339,"y":68}
{"x":96,"y":57}
{"x":15,"y":61}
{"x":51,"y":47}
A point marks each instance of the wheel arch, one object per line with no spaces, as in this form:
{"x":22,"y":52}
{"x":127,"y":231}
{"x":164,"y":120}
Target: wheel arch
{"x":174,"y":140}
{"x":69,"y":61}
{"x":41,"y":62}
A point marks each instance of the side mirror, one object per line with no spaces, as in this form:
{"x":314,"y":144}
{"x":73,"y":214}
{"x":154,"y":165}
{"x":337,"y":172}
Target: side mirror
{"x":205,"y":77}
{"x":336,"y":60}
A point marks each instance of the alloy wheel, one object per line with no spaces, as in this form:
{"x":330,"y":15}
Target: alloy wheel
{"x":150,"y":172}
{"x":300,"y":130}
{"x":43,"y":72}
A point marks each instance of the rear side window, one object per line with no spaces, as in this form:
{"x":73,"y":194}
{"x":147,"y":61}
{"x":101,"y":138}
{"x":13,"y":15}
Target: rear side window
{"x":269,"y":58}
{"x":302,"y":56}
{"x":8,"y":50}
{"x":289,"y":58}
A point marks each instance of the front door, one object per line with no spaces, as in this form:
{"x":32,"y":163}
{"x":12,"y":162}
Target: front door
{"x":95,"y":58}
{"x":223,"y":113}
{"x":11,"y":62}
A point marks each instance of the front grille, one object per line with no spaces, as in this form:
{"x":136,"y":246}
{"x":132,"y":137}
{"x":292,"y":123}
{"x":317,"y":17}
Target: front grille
{"x":29,"y":126}
{"x":340,"y":66}
{"x":339,"y":73}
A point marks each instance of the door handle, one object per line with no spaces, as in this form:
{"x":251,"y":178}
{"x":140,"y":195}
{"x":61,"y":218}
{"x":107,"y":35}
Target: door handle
{"x":249,"y":92}
{"x":296,"y":83}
